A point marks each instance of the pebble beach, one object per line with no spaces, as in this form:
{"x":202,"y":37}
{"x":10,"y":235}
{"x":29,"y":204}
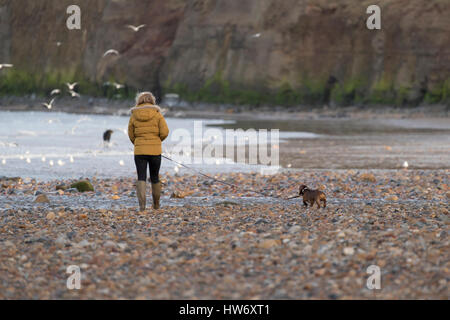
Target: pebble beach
{"x":213,"y":241}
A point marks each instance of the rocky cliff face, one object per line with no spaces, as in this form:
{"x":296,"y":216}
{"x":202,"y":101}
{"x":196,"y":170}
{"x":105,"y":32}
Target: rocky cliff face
{"x":248,"y":51}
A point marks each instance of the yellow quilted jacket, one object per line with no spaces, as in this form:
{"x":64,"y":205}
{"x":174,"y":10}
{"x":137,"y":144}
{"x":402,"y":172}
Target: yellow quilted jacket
{"x":147,"y":129}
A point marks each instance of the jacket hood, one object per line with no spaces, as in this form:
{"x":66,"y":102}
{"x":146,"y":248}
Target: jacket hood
{"x":145,"y":112}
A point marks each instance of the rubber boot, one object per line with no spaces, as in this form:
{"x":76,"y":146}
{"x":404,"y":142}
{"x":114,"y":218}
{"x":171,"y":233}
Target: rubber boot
{"x":140,"y":191}
{"x":156,"y":193}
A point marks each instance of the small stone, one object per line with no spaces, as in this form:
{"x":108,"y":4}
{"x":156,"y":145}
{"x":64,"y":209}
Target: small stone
{"x":150,"y":242}
{"x":368,"y":177}
{"x":42,"y":198}
{"x":259,"y":221}
{"x":177,"y":195}
{"x":348,"y":251}
{"x":8,"y":244}
{"x":270,"y":243}
{"x":320,"y":272}
{"x":122,"y":245}
{"x":110,"y":244}
{"x":51,"y":216}
{"x":333,"y":296}
{"x":392,"y":198}
{"x":62,"y":187}
{"x":294,"y":229}
{"x":61,"y":240}
{"x":83,"y":243}
{"x":307,"y":250}
{"x":164,"y":240}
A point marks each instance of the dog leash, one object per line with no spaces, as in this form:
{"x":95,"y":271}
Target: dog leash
{"x":223,"y":182}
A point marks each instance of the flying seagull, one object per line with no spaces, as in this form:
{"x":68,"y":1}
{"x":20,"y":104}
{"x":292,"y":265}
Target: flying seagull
{"x":74,"y":94}
{"x":114,"y":84}
{"x":55,"y":91}
{"x":118,"y":85}
{"x":49,"y":105}
{"x":256,"y":35}
{"x":135,"y":29}
{"x":6,"y":65}
{"x":71,"y":86}
{"x":111,"y":51}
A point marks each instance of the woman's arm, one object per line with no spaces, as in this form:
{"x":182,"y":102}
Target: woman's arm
{"x":163,"y":128}
{"x":131,"y":130}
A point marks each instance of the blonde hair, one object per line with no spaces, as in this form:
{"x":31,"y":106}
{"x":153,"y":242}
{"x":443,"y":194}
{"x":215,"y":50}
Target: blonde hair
{"x":145,"y":97}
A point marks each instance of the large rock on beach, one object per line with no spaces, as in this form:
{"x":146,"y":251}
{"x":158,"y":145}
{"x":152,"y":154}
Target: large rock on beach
{"x":83,"y":186}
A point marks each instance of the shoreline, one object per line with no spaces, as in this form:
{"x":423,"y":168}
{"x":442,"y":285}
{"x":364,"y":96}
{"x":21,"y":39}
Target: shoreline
{"x":341,"y":144}
{"x":189,"y":174}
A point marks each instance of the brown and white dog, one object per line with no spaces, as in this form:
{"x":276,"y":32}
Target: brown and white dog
{"x":312,"y":196}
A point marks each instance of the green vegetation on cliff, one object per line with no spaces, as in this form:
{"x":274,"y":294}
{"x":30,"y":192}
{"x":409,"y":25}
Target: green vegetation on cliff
{"x":217,"y":90}
{"x":441,"y":93}
{"x":352,"y":91}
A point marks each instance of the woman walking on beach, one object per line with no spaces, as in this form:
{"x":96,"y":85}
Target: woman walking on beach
{"x":147,"y":129}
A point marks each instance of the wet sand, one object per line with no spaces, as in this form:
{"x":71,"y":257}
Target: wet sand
{"x":361,"y":143}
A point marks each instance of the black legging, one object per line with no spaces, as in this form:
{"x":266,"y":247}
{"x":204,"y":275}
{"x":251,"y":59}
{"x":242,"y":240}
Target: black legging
{"x":154,"y":163}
